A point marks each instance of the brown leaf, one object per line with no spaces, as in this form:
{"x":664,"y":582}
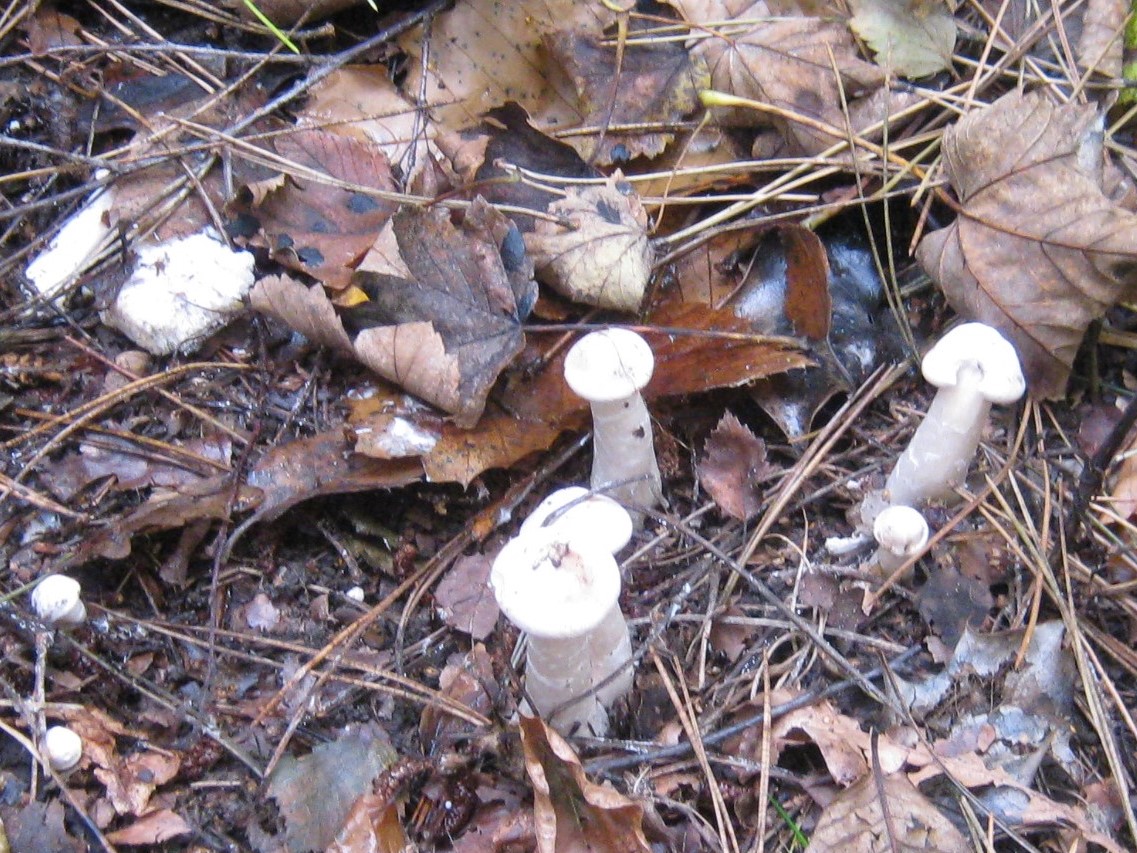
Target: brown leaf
{"x":949,"y":602}
{"x":132,"y":779}
{"x":789,"y":64}
{"x":464,"y":598}
{"x":153,"y":828}
{"x":603,"y":256}
{"x":285,"y":13}
{"x":651,"y":83}
{"x":38,"y":827}
{"x":467,"y":679}
{"x":311,"y":225}
{"x":808,"y":306}
{"x":341,"y":771}
{"x":447,"y":333}
{"x":571,"y":813}
{"x":856,"y":821}
{"x":484,"y":53}
{"x":1038,"y":251}
{"x":733,"y":464}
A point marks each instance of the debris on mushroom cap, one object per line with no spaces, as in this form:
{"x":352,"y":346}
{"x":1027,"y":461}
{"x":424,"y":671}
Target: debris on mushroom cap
{"x":550,"y":587}
{"x":62,"y":748}
{"x":984,"y":349}
{"x":582,"y":515}
{"x":609,"y":365}
{"x":900,"y":530}
{"x":56,"y":600}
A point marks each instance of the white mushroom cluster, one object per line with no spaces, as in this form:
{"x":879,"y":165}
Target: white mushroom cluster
{"x":559,"y":583}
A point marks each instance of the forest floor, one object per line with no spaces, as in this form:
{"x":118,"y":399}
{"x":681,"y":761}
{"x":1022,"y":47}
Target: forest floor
{"x":281,"y":372}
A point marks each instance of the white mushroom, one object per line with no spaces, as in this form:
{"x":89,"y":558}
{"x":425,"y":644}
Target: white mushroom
{"x":608,"y":369}
{"x":581,"y":514}
{"x":564,"y":595}
{"x":900,"y":531}
{"x":56,"y":601}
{"x":62,"y":748}
{"x":973,"y":366}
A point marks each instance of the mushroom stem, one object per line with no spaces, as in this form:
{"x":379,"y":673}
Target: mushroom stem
{"x":623,"y":457}
{"x":563,"y":594}
{"x":939,"y":455}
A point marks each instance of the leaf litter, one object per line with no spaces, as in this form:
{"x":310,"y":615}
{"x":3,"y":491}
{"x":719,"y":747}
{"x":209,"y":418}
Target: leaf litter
{"x":784,"y":212}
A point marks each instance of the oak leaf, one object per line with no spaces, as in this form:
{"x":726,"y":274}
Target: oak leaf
{"x":1038,"y":251}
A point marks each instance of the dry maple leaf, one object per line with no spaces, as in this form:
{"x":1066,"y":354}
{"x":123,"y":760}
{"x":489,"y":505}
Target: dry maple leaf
{"x":1038,"y":251}
{"x":789,"y":64}
{"x":570,"y":812}
{"x":913,"y":39}
{"x":652,"y":83}
{"x":877,"y":816}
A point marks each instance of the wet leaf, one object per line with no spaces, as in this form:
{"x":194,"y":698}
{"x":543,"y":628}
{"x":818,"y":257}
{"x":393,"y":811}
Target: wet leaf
{"x":1039,"y":251}
{"x":949,"y":602}
{"x":808,"y":305}
{"x":733,"y":467}
{"x":789,"y":64}
{"x":652,"y":83}
{"x":38,"y":826}
{"x":341,"y":771}
{"x":913,"y":39}
{"x":153,"y":828}
{"x":464,"y":599}
{"x":571,"y":813}
{"x":601,"y":256}
{"x":881,"y":816}
{"x":308,"y":223}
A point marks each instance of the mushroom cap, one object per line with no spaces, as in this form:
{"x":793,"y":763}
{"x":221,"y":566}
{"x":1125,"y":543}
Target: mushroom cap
{"x":591,"y":517}
{"x":900,"y":530}
{"x":551,"y":587}
{"x":608,"y":365}
{"x":62,"y":748}
{"x":56,"y":600}
{"x":986,"y":352}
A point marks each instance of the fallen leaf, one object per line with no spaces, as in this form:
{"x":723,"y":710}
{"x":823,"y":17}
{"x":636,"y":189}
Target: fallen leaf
{"x":469,"y":680}
{"x":650,"y":83}
{"x":571,"y":813}
{"x":949,"y":602}
{"x":38,"y":827}
{"x":373,"y":824}
{"x":1038,"y":250}
{"x":285,"y":13}
{"x":789,"y":64}
{"x":808,"y":305}
{"x":733,"y":465}
{"x":484,"y":53}
{"x":912,"y":39}
{"x":310,"y":221}
{"x":601,"y":255}
{"x":153,"y":828}
{"x":315,"y":793}
{"x":1099,"y":45}
{"x":883,"y":815}
{"x":464,"y":598}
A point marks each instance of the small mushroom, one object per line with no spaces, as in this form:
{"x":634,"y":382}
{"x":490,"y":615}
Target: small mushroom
{"x":56,"y":601}
{"x":581,"y":514}
{"x":900,"y":531}
{"x":973,"y":366}
{"x":608,"y":369}
{"x":564,"y":595}
{"x":62,"y":748}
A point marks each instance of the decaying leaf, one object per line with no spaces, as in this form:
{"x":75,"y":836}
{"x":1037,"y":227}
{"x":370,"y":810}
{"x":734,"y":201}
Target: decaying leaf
{"x":789,"y":64}
{"x":884,"y":815}
{"x":306,"y":221}
{"x":651,"y":84}
{"x":913,"y":39}
{"x":485,"y":52}
{"x":340,"y":771}
{"x":572,"y":813}
{"x":464,"y":598}
{"x":733,"y":467}
{"x":38,"y":826}
{"x":446,"y":326}
{"x":603,"y":256}
{"x":950,"y":601}
{"x":1038,"y":250}
{"x":152,"y":828}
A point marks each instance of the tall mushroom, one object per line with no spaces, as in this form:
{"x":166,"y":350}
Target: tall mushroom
{"x":564,"y":594}
{"x":609,"y":369}
{"x":973,"y":366}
